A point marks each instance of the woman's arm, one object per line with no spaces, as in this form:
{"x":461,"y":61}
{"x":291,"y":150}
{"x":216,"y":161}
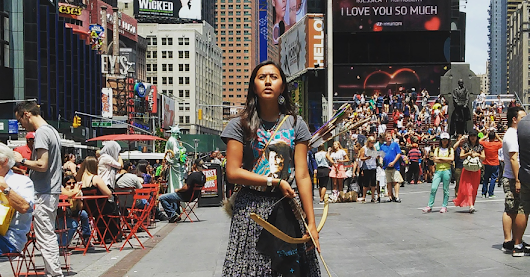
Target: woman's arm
{"x":328,"y":156}
{"x":362,"y":156}
{"x":100,"y":184}
{"x":303,"y":182}
{"x":482,"y":155}
{"x":237,"y":175}
{"x":464,"y":154}
{"x":345,"y":158}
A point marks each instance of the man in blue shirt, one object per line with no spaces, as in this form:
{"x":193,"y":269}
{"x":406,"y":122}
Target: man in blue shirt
{"x":391,"y":167}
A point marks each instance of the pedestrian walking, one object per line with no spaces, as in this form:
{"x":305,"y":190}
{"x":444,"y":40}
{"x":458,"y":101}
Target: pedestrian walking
{"x":46,"y":173}
{"x":469,"y":180}
{"x":391,"y":167}
{"x":368,"y":156}
{"x":491,"y":143}
{"x":337,"y":174}
{"x":459,"y":162}
{"x":323,"y":170}
{"x":269,"y":118}
{"x":443,"y":158}
{"x":414,"y":156}
{"x":515,"y":181}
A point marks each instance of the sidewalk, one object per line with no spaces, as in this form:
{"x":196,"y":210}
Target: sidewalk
{"x":386,"y":239}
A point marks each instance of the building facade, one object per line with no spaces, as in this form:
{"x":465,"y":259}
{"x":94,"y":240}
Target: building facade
{"x":518,"y":53}
{"x":185,"y":63}
{"x":511,"y":7}
{"x":484,"y":83}
{"x":497,"y":27}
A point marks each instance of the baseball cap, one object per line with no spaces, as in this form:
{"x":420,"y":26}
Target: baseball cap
{"x":445,"y":136}
{"x":30,"y":135}
{"x":473,"y":133}
{"x":199,"y":163}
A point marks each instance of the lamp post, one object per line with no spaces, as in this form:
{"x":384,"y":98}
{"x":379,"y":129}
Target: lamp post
{"x":196,"y":142}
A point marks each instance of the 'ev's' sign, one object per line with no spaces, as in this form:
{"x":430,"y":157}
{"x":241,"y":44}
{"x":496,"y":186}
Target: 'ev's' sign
{"x":155,"y":5}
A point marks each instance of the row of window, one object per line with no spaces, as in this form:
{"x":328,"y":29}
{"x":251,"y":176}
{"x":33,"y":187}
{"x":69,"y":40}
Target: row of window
{"x":168,"y":41}
{"x":235,"y":1}
{"x":231,"y":33}
{"x":167,"y":54}
{"x":232,"y":45}
{"x":182,"y":92}
{"x":237,"y":96}
{"x":231,"y":13}
{"x":231,"y":7}
{"x":237,"y":51}
{"x":238,"y":26}
{"x":169,"y":80}
{"x":247,"y":38}
{"x":167,"y":67}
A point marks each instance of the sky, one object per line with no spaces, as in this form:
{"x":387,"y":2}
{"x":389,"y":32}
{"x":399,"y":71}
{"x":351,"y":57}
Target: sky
{"x":476,"y":34}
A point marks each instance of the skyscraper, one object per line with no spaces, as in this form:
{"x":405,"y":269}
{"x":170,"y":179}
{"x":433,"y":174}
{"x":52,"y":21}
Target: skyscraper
{"x":497,"y":46}
{"x":510,"y":9}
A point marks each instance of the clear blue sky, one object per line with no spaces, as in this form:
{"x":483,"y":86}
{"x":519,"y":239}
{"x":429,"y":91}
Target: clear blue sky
{"x":476,"y":34}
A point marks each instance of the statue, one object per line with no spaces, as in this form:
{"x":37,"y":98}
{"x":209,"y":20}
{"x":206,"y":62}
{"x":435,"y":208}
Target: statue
{"x":175,"y":157}
{"x":461,"y":114}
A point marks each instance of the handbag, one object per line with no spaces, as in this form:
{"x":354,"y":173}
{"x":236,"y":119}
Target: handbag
{"x":228,"y":204}
{"x":472,"y":164}
{"x":6,"y":214}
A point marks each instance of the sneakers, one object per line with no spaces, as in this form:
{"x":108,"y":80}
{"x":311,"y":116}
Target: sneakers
{"x":520,"y":252}
{"x":507,"y":246}
{"x":472,"y":210}
{"x":443,"y":210}
{"x":492,"y":196}
{"x":484,"y":196}
{"x":175,"y":218}
{"x":397,"y":200}
{"x":321,"y":202}
{"x":426,"y":209}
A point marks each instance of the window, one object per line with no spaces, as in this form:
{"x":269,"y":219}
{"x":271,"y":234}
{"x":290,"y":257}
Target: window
{"x":170,"y":54}
{"x":164,"y":41}
{"x":154,"y":54}
{"x":164,"y":81}
{"x":187,"y":93}
{"x":170,"y":41}
{"x":187,"y":119}
{"x":148,"y":54}
{"x":181,"y":80}
{"x":181,"y":54}
{"x":148,"y":67}
{"x":155,"y":80}
{"x":187,"y":80}
{"x":164,"y":91}
{"x":181,"y":93}
{"x":164,"y":67}
{"x":181,"y":106}
{"x":170,"y":91}
{"x":170,"y":80}
{"x":181,"y":67}
{"x":181,"y":41}
{"x":170,"y":67}
{"x":186,"y":54}
{"x":154,"y":41}
{"x":181,"y":119}
{"x":186,"y":41}
{"x":187,"y":106}
{"x":149,"y":79}
{"x":155,"y":67}
{"x":164,"y":54}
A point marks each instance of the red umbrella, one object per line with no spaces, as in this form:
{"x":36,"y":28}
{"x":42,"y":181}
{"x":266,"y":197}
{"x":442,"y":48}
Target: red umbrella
{"x":126,"y":137}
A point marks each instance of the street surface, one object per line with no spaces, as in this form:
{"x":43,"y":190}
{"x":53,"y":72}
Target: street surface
{"x":387,"y":239}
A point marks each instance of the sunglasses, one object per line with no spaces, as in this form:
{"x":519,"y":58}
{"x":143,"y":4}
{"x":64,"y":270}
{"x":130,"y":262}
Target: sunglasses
{"x":70,"y":183}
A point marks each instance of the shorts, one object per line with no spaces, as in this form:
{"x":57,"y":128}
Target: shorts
{"x":338,"y":171}
{"x":512,"y":200}
{"x":323,"y":176}
{"x":369,"y":178}
{"x":525,"y":198}
{"x":393,"y":176}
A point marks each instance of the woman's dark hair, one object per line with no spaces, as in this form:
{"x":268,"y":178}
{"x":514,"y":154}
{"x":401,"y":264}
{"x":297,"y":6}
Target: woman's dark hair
{"x":67,"y":178}
{"x":142,"y":166}
{"x":250,"y":120}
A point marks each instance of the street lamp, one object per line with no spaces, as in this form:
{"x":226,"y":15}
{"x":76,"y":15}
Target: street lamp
{"x":196,"y":141}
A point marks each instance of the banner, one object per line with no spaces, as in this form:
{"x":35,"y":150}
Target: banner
{"x":190,"y":9}
{"x":391,"y":15}
{"x":293,"y":50}
{"x":106,"y":102}
{"x":263,"y":31}
{"x":168,"y":112}
{"x":151,"y":99}
{"x":210,"y":187}
{"x":285,"y":14}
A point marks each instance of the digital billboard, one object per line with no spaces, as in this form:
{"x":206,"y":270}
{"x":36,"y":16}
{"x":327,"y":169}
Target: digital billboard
{"x":285,"y":13}
{"x":391,"y":15}
{"x":350,"y":80}
{"x":189,"y":9}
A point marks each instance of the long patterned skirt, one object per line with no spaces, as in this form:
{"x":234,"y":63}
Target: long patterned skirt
{"x":242,"y":259}
{"x":467,"y":189}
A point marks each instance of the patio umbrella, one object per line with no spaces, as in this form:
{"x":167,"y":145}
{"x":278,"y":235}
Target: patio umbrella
{"x":126,"y":137}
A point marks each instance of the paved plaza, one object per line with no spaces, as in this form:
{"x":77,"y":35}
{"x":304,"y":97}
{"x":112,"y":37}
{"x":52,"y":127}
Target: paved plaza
{"x":387,"y":239}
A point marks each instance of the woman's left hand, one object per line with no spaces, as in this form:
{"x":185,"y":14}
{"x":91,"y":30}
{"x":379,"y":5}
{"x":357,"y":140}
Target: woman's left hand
{"x":313,"y":229}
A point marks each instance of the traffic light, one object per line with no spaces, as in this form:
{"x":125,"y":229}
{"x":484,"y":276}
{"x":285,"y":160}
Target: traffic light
{"x":77,"y":121}
{"x":200,"y":114}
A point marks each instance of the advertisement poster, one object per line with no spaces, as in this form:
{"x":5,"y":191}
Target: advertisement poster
{"x":189,"y":9}
{"x":350,"y":80}
{"x":285,"y":13}
{"x":168,"y":112}
{"x":293,"y":50}
{"x":391,"y":15}
{"x":210,"y":187}
{"x":106,"y":102}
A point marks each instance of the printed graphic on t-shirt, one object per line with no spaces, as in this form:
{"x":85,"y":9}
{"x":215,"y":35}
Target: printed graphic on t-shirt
{"x":277,"y":160}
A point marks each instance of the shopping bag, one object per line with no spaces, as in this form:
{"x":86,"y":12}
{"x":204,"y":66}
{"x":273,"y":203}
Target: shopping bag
{"x":6,"y":214}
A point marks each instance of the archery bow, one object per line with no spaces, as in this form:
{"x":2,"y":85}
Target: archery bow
{"x":281,"y":235}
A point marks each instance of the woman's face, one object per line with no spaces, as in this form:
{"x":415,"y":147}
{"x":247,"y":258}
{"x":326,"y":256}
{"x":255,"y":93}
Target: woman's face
{"x":336,"y":145}
{"x":473,"y":139}
{"x":445,"y":143}
{"x":268,"y":83}
{"x":275,"y":162}
{"x":279,"y":7}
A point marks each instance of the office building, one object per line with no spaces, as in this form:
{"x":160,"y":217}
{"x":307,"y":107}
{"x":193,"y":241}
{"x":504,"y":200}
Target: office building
{"x":185,"y":63}
{"x":518,"y":53}
{"x":497,"y":65}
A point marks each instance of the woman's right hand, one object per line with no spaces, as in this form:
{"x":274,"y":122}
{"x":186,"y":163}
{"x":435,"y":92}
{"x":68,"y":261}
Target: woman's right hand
{"x":286,"y":189}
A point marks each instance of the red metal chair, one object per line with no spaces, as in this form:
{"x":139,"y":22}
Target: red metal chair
{"x":137,"y":215}
{"x":188,"y":207}
{"x":155,"y":193}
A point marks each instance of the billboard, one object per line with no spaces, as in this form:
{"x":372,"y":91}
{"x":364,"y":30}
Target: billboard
{"x":350,"y":80}
{"x":391,"y":15}
{"x":168,"y":112}
{"x":286,"y":13}
{"x":189,"y":9}
{"x":303,"y":45}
